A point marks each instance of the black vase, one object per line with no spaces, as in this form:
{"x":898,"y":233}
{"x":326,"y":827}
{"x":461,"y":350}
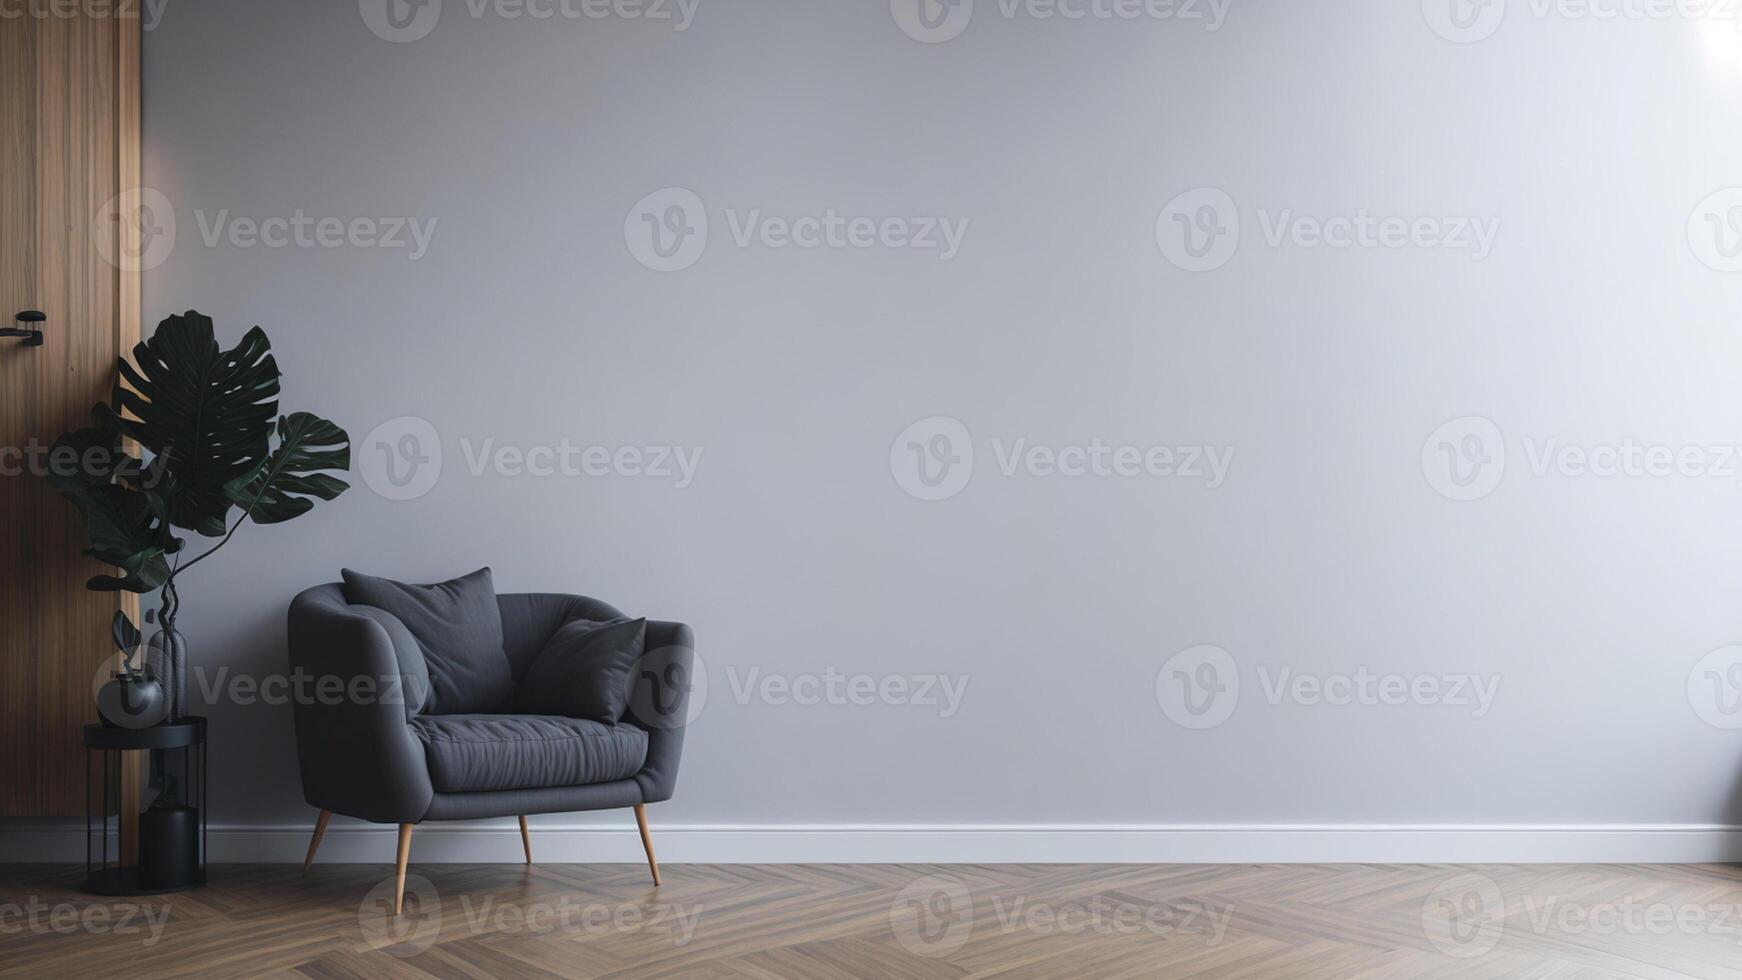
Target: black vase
{"x":166,"y":659}
{"x":132,"y":700}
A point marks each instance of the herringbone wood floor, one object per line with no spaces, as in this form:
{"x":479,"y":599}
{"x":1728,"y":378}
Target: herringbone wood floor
{"x":818,"y":922}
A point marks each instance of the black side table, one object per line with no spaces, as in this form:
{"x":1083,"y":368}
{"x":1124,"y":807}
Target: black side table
{"x":172,"y":825}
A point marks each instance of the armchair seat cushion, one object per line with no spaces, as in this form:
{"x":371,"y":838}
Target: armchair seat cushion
{"x":477,"y":753}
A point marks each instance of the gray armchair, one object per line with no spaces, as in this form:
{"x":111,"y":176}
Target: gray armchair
{"x":372,"y":752}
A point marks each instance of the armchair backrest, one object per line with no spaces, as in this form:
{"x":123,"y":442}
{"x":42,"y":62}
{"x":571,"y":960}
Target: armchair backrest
{"x":325,"y":604}
{"x":529,"y":619}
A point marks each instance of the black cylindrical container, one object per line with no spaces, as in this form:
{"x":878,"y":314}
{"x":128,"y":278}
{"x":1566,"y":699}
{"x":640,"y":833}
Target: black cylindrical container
{"x":169,"y":846}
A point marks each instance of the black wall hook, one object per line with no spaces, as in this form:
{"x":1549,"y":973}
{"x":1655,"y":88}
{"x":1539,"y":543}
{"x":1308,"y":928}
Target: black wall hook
{"x":32,"y":334}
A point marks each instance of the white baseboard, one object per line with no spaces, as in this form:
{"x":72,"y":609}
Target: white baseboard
{"x":499,"y":841}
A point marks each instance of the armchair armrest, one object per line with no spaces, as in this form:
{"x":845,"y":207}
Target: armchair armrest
{"x":365,"y":679}
{"x":660,"y":704}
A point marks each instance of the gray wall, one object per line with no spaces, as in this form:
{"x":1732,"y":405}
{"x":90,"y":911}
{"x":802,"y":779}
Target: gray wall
{"x":1600,"y":312}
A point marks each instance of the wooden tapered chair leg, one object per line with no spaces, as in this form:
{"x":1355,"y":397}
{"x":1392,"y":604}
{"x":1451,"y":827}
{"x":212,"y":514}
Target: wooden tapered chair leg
{"x":315,"y":844}
{"x":525,"y":839}
{"x":399,"y":873}
{"x":647,"y":841}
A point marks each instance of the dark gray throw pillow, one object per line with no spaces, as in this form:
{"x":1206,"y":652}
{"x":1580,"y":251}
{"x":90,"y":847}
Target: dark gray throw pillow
{"x":459,"y":627}
{"x":584,"y":670}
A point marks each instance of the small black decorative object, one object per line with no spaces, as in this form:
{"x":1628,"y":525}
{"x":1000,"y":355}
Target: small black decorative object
{"x":132,"y":700}
{"x":133,"y":697}
{"x":32,"y":334}
{"x":172,"y":821}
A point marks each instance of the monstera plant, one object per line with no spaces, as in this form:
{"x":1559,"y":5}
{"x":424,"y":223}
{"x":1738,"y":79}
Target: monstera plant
{"x":203,"y":420}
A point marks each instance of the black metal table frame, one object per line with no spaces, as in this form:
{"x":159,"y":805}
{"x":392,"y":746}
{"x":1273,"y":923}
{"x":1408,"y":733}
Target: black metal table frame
{"x":189,"y":735}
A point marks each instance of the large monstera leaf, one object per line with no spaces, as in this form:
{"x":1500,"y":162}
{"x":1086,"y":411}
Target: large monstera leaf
{"x":123,"y":531}
{"x":206,"y":413}
{"x":125,"y":517}
{"x":279,"y":488}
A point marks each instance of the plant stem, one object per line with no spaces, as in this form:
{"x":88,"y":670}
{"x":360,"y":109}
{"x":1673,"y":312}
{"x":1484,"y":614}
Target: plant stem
{"x":171,"y":599}
{"x":207,"y":553}
{"x":227,"y":536}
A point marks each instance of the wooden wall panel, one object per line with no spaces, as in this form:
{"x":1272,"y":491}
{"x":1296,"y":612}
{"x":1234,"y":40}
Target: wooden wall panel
{"x":18,"y":376}
{"x":127,"y":333}
{"x":72,"y":121}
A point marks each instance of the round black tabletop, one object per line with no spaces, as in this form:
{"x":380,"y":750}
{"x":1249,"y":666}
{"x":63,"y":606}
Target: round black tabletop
{"x":190,"y":730}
